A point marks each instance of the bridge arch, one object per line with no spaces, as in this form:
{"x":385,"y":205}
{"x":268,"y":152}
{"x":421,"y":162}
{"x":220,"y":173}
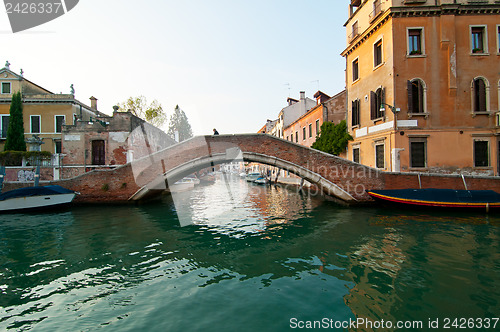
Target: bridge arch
{"x":182,"y":170}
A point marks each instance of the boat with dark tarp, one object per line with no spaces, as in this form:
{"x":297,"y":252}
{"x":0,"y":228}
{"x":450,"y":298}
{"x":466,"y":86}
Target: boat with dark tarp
{"x":38,"y":197}
{"x":447,"y":198}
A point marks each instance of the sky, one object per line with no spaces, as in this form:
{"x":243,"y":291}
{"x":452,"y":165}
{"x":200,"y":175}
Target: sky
{"x":228,"y":64}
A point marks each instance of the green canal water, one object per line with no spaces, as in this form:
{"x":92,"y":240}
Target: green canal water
{"x":237,"y":257}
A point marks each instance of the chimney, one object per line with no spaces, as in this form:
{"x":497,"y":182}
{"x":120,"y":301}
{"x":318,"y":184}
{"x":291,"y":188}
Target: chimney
{"x":302,"y":95}
{"x":93,"y":102}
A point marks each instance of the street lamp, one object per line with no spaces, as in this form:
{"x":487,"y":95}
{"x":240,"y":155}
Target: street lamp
{"x":392,"y":108}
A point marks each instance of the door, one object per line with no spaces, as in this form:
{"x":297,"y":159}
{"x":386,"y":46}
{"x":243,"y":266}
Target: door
{"x":98,"y":152}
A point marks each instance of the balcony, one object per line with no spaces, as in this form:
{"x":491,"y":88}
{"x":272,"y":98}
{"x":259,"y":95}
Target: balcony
{"x":377,"y":10}
{"x":413,"y":2}
{"x":354,"y":33}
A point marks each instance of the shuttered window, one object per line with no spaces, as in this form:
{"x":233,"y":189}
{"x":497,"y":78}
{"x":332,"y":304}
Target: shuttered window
{"x":376,"y":100}
{"x":98,"y":152}
{"x":355,"y":112}
{"x":35,"y":124}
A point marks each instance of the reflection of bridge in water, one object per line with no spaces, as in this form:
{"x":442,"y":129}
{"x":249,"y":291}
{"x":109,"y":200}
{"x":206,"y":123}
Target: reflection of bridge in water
{"x":334,"y":176}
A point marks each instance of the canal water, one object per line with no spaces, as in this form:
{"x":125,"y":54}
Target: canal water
{"x":237,"y":257}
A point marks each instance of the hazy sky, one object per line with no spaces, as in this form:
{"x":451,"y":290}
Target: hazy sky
{"x":229,"y":64}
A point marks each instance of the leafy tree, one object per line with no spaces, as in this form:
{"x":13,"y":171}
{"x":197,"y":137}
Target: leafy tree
{"x":152,"y":113}
{"x":333,"y":138}
{"x":179,"y":123}
{"x":15,"y":132}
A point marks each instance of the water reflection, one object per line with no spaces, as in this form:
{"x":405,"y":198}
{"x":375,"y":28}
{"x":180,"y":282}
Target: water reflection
{"x":267,"y":252}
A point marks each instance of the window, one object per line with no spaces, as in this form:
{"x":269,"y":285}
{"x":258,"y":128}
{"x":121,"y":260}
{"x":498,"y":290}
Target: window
{"x":60,"y":121}
{"x":479,"y":95}
{"x":296,"y":137}
{"x":416,"y":96}
{"x":317,"y":127}
{"x":355,"y":155}
{"x":478,"y":38}
{"x":35,"y":124}
{"x":6,"y":88}
{"x":415,"y":41}
{"x":377,"y":98}
{"x":379,"y":156}
{"x":5,"y":126}
{"x":481,"y":154}
{"x":418,"y":152}
{"x":310,"y":130}
{"x":57,"y":146}
{"x":98,"y":152}
{"x":498,"y":39}
{"x":377,"y":54}
{"x":355,"y":70}
{"x":304,"y":133}
{"x":355,"y":112}
{"x":291,"y":138}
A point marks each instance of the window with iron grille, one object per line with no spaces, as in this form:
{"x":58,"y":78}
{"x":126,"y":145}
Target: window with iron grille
{"x":379,"y":156}
{"x":418,"y":151}
{"x":6,"y":88}
{"x":355,"y":155}
{"x":481,"y":154}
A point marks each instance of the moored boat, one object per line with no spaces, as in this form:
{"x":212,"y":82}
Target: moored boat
{"x":251,"y":177}
{"x":444,"y":198}
{"x":260,"y":180}
{"x":38,"y":197}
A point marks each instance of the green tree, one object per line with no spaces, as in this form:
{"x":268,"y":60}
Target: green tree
{"x":333,"y":138}
{"x":152,"y":113}
{"x":179,"y":123}
{"x":15,"y":132}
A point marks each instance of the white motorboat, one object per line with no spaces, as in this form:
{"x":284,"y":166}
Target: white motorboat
{"x":38,"y":197}
{"x":183,"y":184}
{"x":251,"y":177}
{"x":261,"y":180}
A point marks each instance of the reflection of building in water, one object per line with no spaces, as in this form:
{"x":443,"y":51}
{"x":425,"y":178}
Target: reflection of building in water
{"x":233,"y":167}
{"x":376,"y":265}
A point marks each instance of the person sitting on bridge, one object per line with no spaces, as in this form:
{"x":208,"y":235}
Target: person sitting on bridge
{"x":216,"y":132}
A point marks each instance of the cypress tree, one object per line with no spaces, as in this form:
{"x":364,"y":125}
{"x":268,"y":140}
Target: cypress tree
{"x":15,"y":132}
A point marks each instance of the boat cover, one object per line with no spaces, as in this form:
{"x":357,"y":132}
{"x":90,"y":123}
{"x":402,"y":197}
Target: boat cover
{"x":442,"y":195}
{"x":35,"y":191}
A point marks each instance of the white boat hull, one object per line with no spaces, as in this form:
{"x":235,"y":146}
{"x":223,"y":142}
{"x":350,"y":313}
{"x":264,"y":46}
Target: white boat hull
{"x":35,"y":202}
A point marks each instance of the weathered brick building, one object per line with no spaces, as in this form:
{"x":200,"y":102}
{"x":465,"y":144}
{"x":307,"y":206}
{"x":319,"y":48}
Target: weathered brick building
{"x":108,"y":141}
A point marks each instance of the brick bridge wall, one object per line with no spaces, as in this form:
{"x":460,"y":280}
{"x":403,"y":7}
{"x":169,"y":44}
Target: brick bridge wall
{"x":119,"y":184}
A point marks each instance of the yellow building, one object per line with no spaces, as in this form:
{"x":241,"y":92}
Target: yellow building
{"x":44,"y":113}
{"x":423,"y":85}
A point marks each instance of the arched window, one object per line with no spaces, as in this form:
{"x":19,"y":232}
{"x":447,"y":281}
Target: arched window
{"x":480,"y":90}
{"x":416,"y":96}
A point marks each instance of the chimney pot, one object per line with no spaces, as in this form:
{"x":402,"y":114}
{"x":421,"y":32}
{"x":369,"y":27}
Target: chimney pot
{"x":93,"y":102}
{"x":302,"y":95}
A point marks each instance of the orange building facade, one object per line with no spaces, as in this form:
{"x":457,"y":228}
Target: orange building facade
{"x":423,"y":85}
{"x":305,"y":129}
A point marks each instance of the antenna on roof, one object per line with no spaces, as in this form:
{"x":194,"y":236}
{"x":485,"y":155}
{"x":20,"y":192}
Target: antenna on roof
{"x":288,"y":88}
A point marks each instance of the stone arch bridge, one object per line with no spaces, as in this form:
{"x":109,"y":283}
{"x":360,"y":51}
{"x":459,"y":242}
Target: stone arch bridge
{"x":336,"y":177}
